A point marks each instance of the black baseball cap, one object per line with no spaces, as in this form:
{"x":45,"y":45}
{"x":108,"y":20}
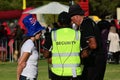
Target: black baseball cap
{"x":76,"y":10}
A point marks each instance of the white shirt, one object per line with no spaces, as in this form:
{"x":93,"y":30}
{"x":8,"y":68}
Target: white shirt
{"x":31,"y":69}
{"x":114,"y":42}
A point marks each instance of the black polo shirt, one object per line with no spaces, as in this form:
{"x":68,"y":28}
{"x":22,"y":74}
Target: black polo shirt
{"x":89,"y":29}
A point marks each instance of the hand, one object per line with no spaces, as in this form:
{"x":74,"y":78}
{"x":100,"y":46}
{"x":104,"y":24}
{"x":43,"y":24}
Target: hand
{"x":46,"y":53}
{"x":49,"y":60}
{"x":84,"y":53}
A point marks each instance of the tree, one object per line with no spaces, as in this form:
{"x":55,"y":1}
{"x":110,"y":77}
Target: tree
{"x":17,"y":4}
{"x":103,"y":8}
{"x":10,"y":4}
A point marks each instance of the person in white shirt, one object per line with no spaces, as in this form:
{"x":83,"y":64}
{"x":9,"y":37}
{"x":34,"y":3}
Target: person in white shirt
{"x":114,"y":46}
{"x":27,"y":68}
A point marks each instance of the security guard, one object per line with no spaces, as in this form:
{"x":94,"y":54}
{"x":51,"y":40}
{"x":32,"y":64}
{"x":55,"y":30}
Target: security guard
{"x":65,"y":50}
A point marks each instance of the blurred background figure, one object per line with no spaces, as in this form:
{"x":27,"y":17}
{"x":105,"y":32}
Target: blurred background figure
{"x":114,"y":44}
{"x":4,"y":38}
{"x":104,"y":27}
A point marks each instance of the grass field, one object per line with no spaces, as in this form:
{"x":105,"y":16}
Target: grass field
{"x":8,"y":71}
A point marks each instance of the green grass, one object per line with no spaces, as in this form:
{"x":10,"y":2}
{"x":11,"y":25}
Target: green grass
{"x":8,"y":71}
{"x":112,"y":72}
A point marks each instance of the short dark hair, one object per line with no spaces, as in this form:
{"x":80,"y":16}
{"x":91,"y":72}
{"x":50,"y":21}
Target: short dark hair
{"x":64,"y":18}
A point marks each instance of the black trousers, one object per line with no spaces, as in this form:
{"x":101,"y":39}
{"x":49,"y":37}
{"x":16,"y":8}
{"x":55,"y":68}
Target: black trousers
{"x":116,"y":57}
{"x":94,"y":68}
{"x":25,"y":78}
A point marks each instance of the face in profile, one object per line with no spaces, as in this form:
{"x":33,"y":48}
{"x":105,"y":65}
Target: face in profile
{"x":77,"y":19}
{"x":38,"y":35}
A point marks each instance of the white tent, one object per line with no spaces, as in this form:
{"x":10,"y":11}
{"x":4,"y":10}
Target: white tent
{"x":50,"y":8}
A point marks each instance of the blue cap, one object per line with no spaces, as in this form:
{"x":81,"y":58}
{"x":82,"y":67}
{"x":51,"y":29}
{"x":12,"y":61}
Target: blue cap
{"x":32,"y":25}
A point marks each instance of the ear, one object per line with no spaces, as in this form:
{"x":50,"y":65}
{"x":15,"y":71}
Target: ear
{"x":59,"y":24}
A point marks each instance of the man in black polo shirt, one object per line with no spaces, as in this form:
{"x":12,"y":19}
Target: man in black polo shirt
{"x":94,"y":58}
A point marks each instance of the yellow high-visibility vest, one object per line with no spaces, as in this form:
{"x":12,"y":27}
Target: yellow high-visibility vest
{"x":66,"y":52}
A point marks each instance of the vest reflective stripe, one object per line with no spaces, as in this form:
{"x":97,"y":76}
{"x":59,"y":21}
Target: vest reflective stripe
{"x":54,"y":35}
{"x":65,"y":65}
{"x":66,"y":54}
{"x":77,"y":35}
